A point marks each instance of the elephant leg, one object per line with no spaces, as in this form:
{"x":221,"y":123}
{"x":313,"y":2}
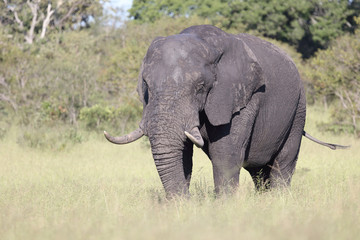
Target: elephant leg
{"x":225,"y":157}
{"x":226,"y":172}
{"x":228,"y":144}
{"x":283,"y":166}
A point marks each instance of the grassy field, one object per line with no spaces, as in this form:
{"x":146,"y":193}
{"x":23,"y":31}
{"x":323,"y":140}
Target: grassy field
{"x":97,"y":190}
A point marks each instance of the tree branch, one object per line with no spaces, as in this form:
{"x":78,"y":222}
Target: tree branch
{"x":8,"y":100}
{"x":341,"y":97}
{"x":47,"y":19}
{"x":68,"y":14}
{"x":17,"y":19}
{"x":34,"y":8}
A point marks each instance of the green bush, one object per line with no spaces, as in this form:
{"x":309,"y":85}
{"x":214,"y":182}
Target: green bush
{"x":121,"y":119}
{"x":87,"y":79}
{"x":335,"y":73}
{"x":95,"y":115}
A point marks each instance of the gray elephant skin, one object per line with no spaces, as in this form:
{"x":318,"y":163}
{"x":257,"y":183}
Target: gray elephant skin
{"x":237,"y":97}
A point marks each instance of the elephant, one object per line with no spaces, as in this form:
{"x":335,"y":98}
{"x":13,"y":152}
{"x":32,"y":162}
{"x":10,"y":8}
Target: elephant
{"x":237,"y":97}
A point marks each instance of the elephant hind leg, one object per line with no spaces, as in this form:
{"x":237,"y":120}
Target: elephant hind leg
{"x":283,"y":166}
{"x":279,"y":171}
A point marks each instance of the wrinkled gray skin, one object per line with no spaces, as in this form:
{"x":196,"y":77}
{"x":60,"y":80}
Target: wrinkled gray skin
{"x":243,"y":93}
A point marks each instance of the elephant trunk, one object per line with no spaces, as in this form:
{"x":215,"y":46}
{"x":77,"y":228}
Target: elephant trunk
{"x":172,"y":153}
{"x":170,"y":167}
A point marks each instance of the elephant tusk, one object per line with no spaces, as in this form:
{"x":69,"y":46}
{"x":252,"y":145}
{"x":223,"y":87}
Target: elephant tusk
{"x":195,"y":137}
{"x":131,"y":137}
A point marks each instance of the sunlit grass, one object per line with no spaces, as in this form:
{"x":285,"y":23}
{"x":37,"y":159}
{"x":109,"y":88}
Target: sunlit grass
{"x":97,"y":190}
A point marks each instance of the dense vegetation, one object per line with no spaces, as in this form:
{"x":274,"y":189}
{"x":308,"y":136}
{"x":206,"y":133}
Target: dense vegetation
{"x":307,"y":25}
{"x":70,"y":66}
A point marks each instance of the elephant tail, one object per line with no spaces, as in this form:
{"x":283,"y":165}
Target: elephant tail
{"x":329,"y":145}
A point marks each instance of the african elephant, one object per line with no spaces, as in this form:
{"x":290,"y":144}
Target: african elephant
{"x":237,"y":97}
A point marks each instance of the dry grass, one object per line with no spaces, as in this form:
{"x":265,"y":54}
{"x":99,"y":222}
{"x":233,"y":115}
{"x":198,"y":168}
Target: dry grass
{"x":101,"y":191}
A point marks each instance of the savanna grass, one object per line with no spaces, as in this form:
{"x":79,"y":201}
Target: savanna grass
{"x":97,"y":190}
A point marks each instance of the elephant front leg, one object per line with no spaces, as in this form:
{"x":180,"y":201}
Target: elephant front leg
{"x":228,"y":144}
{"x":226,"y":171}
{"x":227,"y":153}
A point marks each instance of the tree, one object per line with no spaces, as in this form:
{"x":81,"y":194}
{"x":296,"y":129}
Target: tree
{"x":308,"y":25}
{"x":33,"y":18}
{"x":14,"y":65}
{"x":152,"y":10}
{"x":336,"y":72}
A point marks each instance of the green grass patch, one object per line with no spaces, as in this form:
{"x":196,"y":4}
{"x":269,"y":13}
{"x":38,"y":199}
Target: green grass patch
{"x":97,"y":190}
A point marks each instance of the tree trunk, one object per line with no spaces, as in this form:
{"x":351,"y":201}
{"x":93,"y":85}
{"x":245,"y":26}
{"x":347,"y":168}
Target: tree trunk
{"x":46,"y":21}
{"x":34,"y":10}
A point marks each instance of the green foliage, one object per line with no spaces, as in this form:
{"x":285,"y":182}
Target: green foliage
{"x":30,"y":21}
{"x":79,"y":78}
{"x":336,"y":72}
{"x":99,"y":117}
{"x":153,"y":10}
{"x":215,"y":12}
{"x":276,"y":19}
{"x":86,"y":78}
{"x":59,"y":74}
{"x":93,"y":116}
{"x":309,"y":25}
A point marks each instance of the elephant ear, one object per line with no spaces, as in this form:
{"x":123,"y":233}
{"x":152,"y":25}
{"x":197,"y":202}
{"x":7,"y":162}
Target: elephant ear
{"x":238,"y":77}
{"x":141,"y":87}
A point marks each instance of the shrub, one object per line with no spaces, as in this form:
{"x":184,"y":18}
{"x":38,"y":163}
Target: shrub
{"x":95,"y":115}
{"x":335,"y":73}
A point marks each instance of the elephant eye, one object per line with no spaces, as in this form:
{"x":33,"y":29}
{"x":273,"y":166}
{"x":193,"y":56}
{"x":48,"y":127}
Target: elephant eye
{"x":200,"y":86}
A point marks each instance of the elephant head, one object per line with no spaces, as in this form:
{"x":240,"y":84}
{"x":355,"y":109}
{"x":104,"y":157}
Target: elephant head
{"x":201,"y":71}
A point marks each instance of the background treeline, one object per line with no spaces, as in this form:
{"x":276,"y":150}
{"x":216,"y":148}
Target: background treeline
{"x":71,"y":66}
